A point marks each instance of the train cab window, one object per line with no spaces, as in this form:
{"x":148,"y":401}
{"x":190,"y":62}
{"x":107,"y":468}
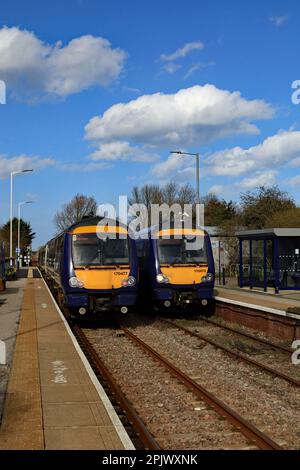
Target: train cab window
{"x":182,"y":251}
{"x":89,"y":250}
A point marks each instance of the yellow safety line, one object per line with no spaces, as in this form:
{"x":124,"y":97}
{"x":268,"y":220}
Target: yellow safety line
{"x":30,"y":273}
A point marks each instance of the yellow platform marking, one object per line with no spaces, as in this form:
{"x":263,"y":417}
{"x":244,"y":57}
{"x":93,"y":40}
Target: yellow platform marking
{"x":30,"y":273}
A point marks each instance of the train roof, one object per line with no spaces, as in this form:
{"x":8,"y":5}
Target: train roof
{"x":94,"y":220}
{"x":167,"y":225}
{"x":87,"y":221}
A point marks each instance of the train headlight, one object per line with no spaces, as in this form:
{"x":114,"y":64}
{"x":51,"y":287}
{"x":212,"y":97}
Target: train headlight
{"x":208,"y":277}
{"x":129,"y":282}
{"x":75,"y":282}
{"x":161,"y":278}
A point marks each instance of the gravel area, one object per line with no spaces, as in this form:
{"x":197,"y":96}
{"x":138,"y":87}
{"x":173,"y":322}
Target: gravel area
{"x":246,"y":329}
{"x":266,"y":355}
{"x":176,"y":418}
{"x":271,"y":404}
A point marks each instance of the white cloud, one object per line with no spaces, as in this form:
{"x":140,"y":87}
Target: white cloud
{"x":216,"y":189}
{"x":279,"y":149}
{"x":83,"y":167}
{"x":120,"y":150}
{"x":171,"y":67}
{"x":278,"y":20}
{"x":33,"y":69}
{"x":263,"y":178}
{"x":294,"y":181}
{"x":22,"y":162}
{"x":175,"y":163}
{"x":195,"y":115}
{"x":182,"y":51}
{"x":198,"y":66}
{"x":295,"y":162}
{"x":131,"y":90}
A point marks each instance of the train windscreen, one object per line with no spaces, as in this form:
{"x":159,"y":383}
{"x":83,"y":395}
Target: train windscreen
{"x":182,"y":251}
{"x":89,"y":250}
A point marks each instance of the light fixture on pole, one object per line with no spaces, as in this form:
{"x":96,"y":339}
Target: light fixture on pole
{"x":197,"y":155}
{"x":12,"y":174}
{"x":19,"y":229}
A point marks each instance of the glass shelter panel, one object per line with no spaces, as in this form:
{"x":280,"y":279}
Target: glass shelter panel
{"x":245,"y":261}
{"x":258,"y":263}
{"x":270,"y":263}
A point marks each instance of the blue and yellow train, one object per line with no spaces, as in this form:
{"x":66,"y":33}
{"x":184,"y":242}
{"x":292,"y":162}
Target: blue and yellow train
{"x":176,"y":268}
{"x":92,"y":268}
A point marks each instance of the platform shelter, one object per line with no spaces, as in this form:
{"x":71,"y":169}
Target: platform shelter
{"x":270,"y":258}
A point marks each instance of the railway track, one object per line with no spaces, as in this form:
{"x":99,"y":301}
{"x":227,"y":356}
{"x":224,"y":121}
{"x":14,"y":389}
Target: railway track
{"x":235,"y":354}
{"x":141,"y":431}
{"x":242,"y":425}
{"x":138,"y":428}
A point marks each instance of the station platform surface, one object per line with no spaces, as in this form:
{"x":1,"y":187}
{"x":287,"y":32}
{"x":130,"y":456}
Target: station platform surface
{"x":274,"y":303}
{"x":53,"y":399}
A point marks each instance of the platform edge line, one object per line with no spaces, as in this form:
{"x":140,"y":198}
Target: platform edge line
{"x":122,"y":433}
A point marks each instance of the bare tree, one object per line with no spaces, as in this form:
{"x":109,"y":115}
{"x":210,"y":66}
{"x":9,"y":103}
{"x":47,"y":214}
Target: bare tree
{"x":186,"y":195}
{"x":73,"y":211}
{"x":147,"y":194}
{"x":170,"y":193}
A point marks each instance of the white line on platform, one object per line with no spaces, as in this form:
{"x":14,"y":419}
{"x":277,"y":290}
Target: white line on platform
{"x":125,"y":439}
{"x":283,"y":313}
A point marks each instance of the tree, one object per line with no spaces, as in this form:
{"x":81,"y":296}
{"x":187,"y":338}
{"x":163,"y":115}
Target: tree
{"x":186,"y":195}
{"x":217,"y":211}
{"x":287,"y":219}
{"x":147,"y":195}
{"x":26,"y":235}
{"x":262,"y":203}
{"x":74,"y":211}
{"x":170,"y":193}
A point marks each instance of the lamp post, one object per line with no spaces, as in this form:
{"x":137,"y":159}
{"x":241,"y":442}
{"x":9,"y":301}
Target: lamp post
{"x":197,"y":155}
{"x":19,"y":228}
{"x":12,"y":174}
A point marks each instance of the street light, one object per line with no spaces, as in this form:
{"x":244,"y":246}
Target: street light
{"x":19,"y":219}
{"x":12,"y":174}
{"x":179,"y":152}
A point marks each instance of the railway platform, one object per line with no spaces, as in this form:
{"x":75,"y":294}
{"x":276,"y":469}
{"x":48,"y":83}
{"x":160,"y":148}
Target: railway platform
{"x":51,"y":398}
{"x":275,"y":314}
{"x":282,"y":304}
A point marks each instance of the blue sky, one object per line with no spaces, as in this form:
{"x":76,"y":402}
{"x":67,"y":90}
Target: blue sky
{"x":177,"y":67}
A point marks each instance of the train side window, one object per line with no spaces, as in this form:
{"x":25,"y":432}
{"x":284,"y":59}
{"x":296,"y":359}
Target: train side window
{"x":56,"y":255}
{"x":59,"y":252}
{"x":51,"y":254}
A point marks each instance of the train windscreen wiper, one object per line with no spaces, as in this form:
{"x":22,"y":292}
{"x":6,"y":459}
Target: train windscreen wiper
{"x":99,"y":254}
